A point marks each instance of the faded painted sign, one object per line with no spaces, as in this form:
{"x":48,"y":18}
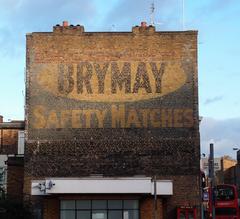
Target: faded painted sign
{"x":107,"y":94}
{"x":119,"y":115}
{"x":81,"y":85}
{"x":111,"y":81}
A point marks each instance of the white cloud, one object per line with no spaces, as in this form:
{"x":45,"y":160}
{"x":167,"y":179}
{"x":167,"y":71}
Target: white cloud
{"x":18,"y":17}
{"x":213,"y":100}
{"x":225,"y":134}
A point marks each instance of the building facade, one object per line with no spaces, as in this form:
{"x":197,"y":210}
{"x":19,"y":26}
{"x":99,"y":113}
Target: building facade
{"x":111,"y":123}
{"x":225,"y":170}
{"x":11,"y":159}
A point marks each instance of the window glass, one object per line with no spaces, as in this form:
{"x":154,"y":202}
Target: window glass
{"x":99,"y":214}
{"x":68,"y":204}
{"x":114,"y":214}
{"x":83,"y":204}
{"x":83,"y":214}
{"x":130,"y":204}
{"x":99,"y":204}
{"x":190,"y":215}
{"x":99,"y":209}
{"x":182,"y":215}
{"x":130,"y":214}
{"x":69,"y":214}
{"x":226,"y":211}
{"x":224,"y":193}
{"x":115,"y":204}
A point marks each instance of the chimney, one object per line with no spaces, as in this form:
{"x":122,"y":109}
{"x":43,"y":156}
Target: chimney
{"x":65,"y":28}
{"x":143,"y":24}
{"x":65,"y":23}
{"x":143,"y":29}
{"x":1,"y":119}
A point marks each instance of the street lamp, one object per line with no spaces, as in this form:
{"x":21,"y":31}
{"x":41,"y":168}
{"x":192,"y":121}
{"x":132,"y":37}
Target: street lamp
{"x":212,"y":178}
{"x":237,"y":168}
{"x":238,"y":152}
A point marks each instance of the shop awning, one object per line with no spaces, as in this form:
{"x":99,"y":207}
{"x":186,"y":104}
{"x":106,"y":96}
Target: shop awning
{"x":101,"y":185}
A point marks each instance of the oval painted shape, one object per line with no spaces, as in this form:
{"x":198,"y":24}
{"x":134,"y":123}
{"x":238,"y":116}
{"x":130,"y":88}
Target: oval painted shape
{"x":110,"y":81}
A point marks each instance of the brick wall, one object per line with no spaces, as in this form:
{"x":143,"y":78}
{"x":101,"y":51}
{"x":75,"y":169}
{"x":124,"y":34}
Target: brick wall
{"x":156,"y":135}
{"x":9,"y":141}
{"x":147,"y":208}
{"x":51,"y":208}
{"x":141,"y":149}
{"x":227,"y":163}
{"x":230,"y":175}
{"x":186,"y":192}
{"x":15,"y":172}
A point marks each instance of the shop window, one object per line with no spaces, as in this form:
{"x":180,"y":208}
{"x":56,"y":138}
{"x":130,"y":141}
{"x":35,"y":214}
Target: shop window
{"x":99,"y":209}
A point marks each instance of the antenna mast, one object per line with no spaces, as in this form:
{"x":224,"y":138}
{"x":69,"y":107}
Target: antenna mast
{"x":152,"y":8}
{"x":152,"y":16}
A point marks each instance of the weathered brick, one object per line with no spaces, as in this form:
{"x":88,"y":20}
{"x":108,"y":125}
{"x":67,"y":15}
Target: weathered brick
{"x":169,"y":150}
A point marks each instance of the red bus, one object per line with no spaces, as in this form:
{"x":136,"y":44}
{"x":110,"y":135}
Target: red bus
{"x":226,"y":202}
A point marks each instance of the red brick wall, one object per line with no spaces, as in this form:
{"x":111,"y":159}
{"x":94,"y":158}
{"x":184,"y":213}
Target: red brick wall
{"x":167,"y":152}
{"x":51,"y":208}
{"x":111,"y":151}
{"x":15,"y":172}
{"x":9,"y":140}
{"x":147,"y":208}
{"x":186,"y":192}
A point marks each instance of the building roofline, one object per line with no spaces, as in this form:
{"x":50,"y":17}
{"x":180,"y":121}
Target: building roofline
{"x":13,"y":125}
{"x":121,"y":32}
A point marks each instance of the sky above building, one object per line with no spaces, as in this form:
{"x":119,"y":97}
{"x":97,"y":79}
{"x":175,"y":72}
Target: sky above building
{"x":218,"y":23}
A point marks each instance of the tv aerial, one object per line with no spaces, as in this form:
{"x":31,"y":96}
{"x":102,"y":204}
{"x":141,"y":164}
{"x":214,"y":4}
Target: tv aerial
{"x":152,"y":15}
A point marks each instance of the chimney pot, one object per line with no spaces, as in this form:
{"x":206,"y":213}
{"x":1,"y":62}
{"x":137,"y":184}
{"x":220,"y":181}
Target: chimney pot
{"x":65,"y":23}
{"x":143,"y":24}
{"x":1,"y":119}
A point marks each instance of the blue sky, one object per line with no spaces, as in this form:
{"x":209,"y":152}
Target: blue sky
{"x":218,"y":23}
